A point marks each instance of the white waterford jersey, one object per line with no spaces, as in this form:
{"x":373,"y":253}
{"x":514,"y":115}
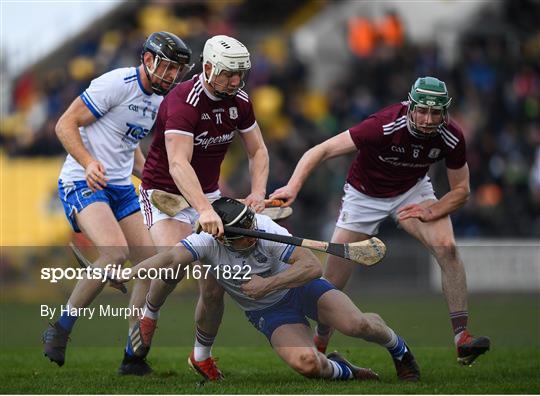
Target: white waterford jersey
{"x":231,"y":269}
{"x":124,"y":113}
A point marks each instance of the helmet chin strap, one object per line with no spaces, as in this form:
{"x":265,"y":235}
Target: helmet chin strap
{"x":156,"y":87}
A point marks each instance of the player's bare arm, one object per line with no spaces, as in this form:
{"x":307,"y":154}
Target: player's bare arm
{"x":67,"y":130}
{"x":258,"y":167}
{"x":333,"y":147}
{"x":455,"y":198}
{"x":138,"y":164}
{"x":179,"y":151}
{"x":305,"y":267}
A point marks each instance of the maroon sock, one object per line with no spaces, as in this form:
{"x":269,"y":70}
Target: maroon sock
{"x":459,"y":321}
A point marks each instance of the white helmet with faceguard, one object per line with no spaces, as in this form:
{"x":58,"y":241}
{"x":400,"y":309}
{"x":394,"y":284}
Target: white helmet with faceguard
{"x":227,"y":54}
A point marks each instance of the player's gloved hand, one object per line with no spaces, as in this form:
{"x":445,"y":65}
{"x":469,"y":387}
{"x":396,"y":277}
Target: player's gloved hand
{"x":210,"y":222}
{"x":256,"y":287}
{"x":255,"y":201}
{"x":95,"y":175}
{"x":287,"y":193}
{"x":415,"y":211}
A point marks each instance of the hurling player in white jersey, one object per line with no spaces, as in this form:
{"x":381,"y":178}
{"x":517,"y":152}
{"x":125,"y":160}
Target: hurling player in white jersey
{"x":388,"y":178}
{"x":278,"y":286}
{"x":101,"y":131}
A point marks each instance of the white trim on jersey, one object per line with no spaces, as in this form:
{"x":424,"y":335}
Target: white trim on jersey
{"x":243,"y":95}
{"x":206,"y":91}
{"x":177,"y":132}
{"x":193,"y":96}
{"x":450,"y":135}
{"x":390,"y":128}
{"x":249,"y":129}
{"x":391,"y":124}
{"x":448,"y":138}
{"x":197,"y":100}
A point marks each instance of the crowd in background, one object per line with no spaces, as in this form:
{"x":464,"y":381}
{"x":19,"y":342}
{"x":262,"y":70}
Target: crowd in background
{"x":495,"y":85}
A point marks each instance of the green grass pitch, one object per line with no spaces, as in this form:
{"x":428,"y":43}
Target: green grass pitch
{"x":250,"y":366}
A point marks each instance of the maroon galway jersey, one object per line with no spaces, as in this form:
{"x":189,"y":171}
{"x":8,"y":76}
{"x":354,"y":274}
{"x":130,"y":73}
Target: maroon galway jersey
{"x":189,"y":109}
{"x":391,"y":160}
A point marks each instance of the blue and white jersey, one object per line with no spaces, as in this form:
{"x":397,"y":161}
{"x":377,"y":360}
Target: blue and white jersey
{"x":125,"y":113}
{"x":232,"y":269}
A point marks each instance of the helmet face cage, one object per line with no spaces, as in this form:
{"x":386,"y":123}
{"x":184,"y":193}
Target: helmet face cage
{"x":430,"y":95}
{"x":221,"y":90}
{"x":170,"y":50}
{"x":248,"y":222}
{"x":181,"y":71}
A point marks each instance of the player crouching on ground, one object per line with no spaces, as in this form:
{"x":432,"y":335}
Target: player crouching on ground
{"x":278,"y":286}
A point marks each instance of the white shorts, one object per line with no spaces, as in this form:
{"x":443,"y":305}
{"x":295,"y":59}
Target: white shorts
{"x":152,"y":215}
{"x":362,"y":213}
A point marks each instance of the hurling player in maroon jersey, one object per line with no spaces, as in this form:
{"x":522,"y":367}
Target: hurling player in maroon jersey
{"x":395,"y":148}
{"x":195,"y":125}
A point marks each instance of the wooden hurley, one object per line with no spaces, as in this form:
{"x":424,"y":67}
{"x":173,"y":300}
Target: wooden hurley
{"x":368,"y":252}
{"x":171,"y":204}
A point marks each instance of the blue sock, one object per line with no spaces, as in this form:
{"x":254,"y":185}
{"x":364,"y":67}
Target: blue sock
{"x":340,"y":371}
{"x":398,"y":348}
{"x":67,"y":321}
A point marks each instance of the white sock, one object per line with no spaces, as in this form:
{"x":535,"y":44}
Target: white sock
{"x":150,"y":310}
{"x":340,"y":371}
{"x":393,"y":340}
{"x":336,"y":370}
{"x":201,"y":352}
{"x":148,"y":313}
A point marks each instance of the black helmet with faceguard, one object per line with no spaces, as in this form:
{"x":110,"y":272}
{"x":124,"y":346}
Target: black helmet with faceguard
{"x":174,"y":53}
{"x":235,"y":213}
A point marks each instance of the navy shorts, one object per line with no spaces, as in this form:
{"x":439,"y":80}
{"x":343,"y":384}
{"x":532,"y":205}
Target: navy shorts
{"x":292,"y":308}
{"x":76,"y":196}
